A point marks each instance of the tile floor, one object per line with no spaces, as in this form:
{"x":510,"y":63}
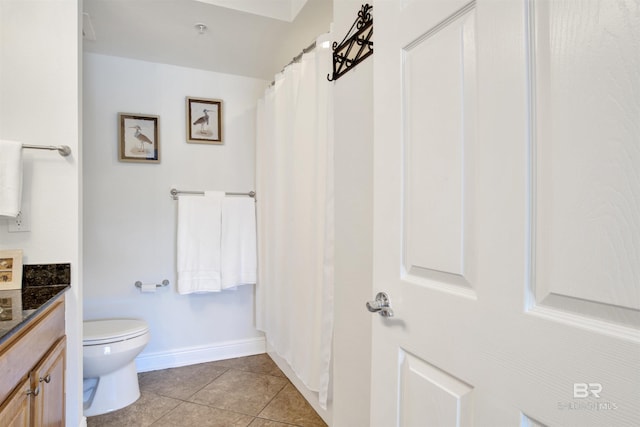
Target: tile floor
{"x":247,"y":391}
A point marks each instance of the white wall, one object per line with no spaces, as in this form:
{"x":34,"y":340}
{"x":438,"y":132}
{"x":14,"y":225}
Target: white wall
{"x":353,"y":95}
{"x":130,"y":218}
{"x":353,"y":246}
{"x":40,"y":104}
{"x":312,"y":21}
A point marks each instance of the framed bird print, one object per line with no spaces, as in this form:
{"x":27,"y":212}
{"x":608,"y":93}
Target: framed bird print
{"x":139,"y":138}
{"x":204,"y":120}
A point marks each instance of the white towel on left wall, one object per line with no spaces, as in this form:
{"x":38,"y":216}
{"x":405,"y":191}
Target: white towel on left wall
{"x":238,"y":242}
{"x":198,"y":243}
{"x":10,"y":178}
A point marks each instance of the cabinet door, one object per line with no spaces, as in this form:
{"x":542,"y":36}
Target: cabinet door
{"x":14,"y":412}
{"x":48,"y":405}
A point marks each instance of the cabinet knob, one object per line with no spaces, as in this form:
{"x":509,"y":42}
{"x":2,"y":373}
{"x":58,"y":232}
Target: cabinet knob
{"x":34,"y":392}
{"x":46,"y":379}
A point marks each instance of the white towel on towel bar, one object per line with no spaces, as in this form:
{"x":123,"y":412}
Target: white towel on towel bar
{"x":198,"y":243}
{"x":238,"y":245}
{"x":10,"y":178}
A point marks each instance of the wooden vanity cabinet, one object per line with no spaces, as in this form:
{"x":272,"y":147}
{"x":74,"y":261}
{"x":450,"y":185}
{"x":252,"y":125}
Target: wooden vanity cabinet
{"x":47,"y":407}
{"x":15,"y":411}
{"x":32,"y":367}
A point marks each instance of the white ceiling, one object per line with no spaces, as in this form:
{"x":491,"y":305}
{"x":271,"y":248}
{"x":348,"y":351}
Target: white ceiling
{"x":285,"y":10}
{"x":254,"y":44}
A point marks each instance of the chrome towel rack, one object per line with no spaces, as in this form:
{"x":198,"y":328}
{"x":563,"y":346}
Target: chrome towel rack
{"x":174,"y":193}
{"x":63,"y":150}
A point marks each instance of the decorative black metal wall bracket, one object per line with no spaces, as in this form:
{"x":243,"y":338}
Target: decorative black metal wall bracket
{"x":355,"y":47}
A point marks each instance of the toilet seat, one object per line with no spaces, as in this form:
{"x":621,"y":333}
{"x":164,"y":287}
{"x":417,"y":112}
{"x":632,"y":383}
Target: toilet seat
{"x":97,"y":332}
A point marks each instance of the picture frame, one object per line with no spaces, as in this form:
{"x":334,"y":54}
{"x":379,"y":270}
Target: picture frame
{"x":139,"y":138}
{"x":10,"y":269}
{"x":10,"y":308}
{"x":204,"y":121}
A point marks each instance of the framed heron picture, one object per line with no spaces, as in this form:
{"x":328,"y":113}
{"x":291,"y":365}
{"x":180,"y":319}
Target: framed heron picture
{"x":204,"y":120}
{"x":139,"y":138}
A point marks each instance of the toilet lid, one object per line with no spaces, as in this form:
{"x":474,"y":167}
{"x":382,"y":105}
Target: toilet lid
{"x":111,"y":330}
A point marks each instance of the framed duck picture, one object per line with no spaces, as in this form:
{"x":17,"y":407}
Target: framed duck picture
{"x":204,"y":120}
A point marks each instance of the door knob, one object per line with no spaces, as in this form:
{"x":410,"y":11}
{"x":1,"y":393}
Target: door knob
{"x":381,"y":305}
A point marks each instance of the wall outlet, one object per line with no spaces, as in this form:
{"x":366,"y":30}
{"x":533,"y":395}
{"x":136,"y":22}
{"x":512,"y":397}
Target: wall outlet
{"x":19,"y":223}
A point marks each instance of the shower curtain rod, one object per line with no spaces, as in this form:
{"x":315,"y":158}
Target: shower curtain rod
{"x":305,"y":50}
{"x":297,"y":58}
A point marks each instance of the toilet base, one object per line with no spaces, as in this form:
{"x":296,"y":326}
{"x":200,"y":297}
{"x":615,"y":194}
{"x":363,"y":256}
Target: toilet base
{"x":114,"y":391}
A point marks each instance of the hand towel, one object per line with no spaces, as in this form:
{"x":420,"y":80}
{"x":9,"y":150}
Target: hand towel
{"x":238,"y":245}
{"x":10,"y":178}
{"x":198,"y":243}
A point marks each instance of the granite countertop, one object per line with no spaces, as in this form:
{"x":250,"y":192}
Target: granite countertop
{"x":42,"y":284}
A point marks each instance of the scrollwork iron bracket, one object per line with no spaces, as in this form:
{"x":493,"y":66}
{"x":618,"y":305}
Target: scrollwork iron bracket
{"x":356,"y":45}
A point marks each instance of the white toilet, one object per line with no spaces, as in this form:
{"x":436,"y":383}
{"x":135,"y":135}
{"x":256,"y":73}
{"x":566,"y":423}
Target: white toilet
{"x":110,"y":378}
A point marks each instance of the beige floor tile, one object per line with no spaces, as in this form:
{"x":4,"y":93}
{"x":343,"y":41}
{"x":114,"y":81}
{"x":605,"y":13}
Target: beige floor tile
{"x":259,"y":364}
{"x":261,"y":422}
{"x":224,"y":391}
{"x":240,"y":391}
{"x":290,"y":407}
{"x":142,"y":413}
{"x":192,"y":414}
{"x":180,"y":383}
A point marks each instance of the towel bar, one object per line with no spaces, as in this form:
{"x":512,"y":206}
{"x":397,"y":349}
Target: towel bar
{"x":174,"y":193}
{"x":63,"y":150}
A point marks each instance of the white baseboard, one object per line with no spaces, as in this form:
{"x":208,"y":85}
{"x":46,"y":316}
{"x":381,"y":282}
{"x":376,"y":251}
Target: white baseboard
{"x":200,"y":354}
{"x":83,"y":422}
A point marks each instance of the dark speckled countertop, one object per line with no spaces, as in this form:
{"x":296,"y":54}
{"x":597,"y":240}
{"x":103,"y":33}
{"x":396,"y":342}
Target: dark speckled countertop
{"x":42,"y":284}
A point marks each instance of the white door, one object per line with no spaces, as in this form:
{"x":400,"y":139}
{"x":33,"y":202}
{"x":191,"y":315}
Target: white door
{"x":507,"y":213}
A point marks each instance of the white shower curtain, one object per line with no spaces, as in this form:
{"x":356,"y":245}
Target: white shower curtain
{"x":294,"y":184}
